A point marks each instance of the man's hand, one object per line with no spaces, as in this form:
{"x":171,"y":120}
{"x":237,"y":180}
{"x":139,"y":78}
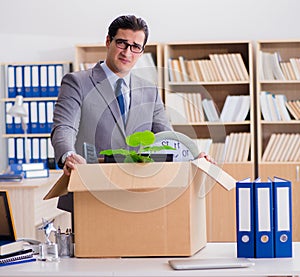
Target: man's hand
{"x":71,"y":161}
{"x":207,"y":157}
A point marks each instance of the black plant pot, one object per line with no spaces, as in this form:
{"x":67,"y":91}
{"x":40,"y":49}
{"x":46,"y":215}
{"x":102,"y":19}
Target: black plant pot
{"x":156,"y":158}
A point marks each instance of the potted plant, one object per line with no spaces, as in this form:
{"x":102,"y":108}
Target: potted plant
{"x":145,"y":153}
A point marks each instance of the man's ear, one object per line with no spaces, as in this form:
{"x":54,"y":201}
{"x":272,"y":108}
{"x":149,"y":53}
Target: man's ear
{"x":107,"y":43}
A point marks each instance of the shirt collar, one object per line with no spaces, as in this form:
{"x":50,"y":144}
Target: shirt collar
{"x":112,"y":77}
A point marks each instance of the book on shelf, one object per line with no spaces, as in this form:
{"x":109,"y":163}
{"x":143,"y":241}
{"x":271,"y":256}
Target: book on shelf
{"x":237,"y":147}
{"x":217,"y":150}
{"x":184,"y":108}
{"x":193,"y":107}
{"x":197,"y":70}
{"x":236,"y":108}
{"x":191,"y":71}
{"x":274,"y":112}
{"x":278,"y":73}
{"x":176,"y":71}
{"x":274,"y":106}
{"x":295,"y":63}
{"x":294,"y":140}
{"x":175,"y":108}
{"x":274,"y":68}
{"x":232,"y":145}
{"x":270,"y":146}
{"x":293,"y":107}
{"x":282,"y":147}
{"x":225,"y":67}
{"x":229,"y":67}
{"x":240,"y":65}
{"x":270,"y":65}
{"x":280,"y":102}
{"x":274,"y":155}
{"x":182,"y":64}
{"x":286,"y":71}
{"x":215,"y":58}
{"x":210,"y":110}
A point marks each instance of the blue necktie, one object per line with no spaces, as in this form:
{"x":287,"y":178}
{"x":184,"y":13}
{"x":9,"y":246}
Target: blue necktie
{"x":120,"y":97}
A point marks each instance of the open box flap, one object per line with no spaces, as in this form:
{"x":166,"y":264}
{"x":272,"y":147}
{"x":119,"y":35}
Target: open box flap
{"x":216,"y":173}
{"x":59,"y":188}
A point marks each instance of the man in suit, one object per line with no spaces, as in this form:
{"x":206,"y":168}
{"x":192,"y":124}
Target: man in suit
{"x":87,"y":109}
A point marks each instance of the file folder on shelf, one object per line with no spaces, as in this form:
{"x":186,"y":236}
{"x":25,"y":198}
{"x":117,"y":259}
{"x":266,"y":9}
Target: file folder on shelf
{"x":9,"y":120}
{"x":264,"y":239}
{"x":35,"y":150}
{"x":34,"y":124}
{"x":42,"y":126}
{"x":43,"y":81}
{"x":51,"y":80}
{"x":43,"y":151}
{"x":20,"y":150}
{"x":19,"y":80}
{"x":245,"y":219}
{"x":35,"y":81}
{"x":27,"y":81}
{"x":11,"y":81}
{"x":11,"y":150}
{"x":60,"y":70}
{"x":50,"y":109}
{"x":282,"y":217}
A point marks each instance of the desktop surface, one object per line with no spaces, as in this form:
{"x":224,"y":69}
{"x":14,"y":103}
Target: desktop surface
{"x":157,"y":266}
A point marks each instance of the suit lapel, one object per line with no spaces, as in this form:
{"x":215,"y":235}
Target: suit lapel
{"x":103,"y":86}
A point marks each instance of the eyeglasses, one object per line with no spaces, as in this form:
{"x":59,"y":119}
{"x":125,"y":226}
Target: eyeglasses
{"x":123,"y":44}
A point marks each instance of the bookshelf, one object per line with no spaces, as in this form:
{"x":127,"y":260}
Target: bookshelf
{"x":150,"y":64}
{"x":38,"y":84}
{"x":185,"y":75}
{"x":278,"y":136}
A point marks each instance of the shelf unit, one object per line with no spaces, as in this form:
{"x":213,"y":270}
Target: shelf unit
{"x":220,"y":203}
{"x":265,"y":129}
{"x":39,"y":84}
{"x":89,"y":54}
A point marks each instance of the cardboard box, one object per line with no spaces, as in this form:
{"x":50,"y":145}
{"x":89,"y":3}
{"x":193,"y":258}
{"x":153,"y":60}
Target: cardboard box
{"x":153,"y":209}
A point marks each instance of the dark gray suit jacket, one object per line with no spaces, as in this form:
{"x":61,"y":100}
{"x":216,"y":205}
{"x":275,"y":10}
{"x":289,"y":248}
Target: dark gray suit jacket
{"x":87,"y":111}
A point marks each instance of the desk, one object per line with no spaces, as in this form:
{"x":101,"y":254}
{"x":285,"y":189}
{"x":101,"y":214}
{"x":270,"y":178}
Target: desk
{"x":124,"y":267}
{"x":28,"y":206}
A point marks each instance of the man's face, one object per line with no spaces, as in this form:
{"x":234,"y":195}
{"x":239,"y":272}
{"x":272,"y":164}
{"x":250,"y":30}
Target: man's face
{"x":120,"y":61}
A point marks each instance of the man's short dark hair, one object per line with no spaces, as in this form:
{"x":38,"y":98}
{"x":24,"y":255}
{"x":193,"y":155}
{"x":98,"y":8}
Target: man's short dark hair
{"x":128,"y":22}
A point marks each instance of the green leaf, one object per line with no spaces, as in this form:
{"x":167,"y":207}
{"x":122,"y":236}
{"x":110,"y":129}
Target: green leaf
{"x":157,"y":148}
{"x":140,"y":138}
{"x":110,"y":152}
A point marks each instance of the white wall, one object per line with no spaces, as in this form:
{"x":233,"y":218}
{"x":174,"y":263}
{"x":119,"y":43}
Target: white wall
{"x":44,"y":30}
